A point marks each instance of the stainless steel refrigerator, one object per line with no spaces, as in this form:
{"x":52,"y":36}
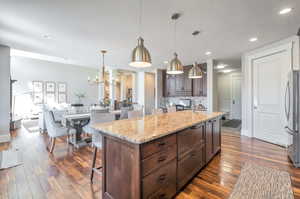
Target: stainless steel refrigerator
{"x":291,"y":105}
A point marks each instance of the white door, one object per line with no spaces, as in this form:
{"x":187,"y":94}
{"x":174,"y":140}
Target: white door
{"x":236,"y":106}
{"x":269,"y":78}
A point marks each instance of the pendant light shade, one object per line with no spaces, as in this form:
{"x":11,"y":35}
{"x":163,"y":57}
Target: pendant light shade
{"x":195,"y":72}
{"x":140,"y":55}
{"x":175,"y":66}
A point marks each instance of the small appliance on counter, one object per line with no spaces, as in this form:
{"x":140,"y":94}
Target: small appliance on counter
{"x":186,"y":104}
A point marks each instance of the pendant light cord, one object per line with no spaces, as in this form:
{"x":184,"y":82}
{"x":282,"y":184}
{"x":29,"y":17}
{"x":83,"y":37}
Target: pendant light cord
{"x":175,"y":35}
{"x":103,"y":67}
{"x":140,"y":17}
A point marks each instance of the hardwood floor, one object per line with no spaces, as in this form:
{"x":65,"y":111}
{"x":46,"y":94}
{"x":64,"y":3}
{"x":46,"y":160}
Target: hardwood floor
{"x":65,"y":174}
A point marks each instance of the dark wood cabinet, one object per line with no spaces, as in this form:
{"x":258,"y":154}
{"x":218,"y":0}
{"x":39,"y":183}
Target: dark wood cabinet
{"x":209,"y":141}
{"x":182,"y":86}
{"x":169,"y":85}
{"x":213,"y":138}
{"x":191,"y":153}
{"x":189,"y":139}
{"x":190,"y":165}
{"x":200,"y":85}
{"x":161,"y":183}
{"x":159,"y":168}
{"x":216,"y":136}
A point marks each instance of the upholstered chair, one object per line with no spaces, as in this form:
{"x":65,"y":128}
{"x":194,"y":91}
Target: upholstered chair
{"x":55,"y":130}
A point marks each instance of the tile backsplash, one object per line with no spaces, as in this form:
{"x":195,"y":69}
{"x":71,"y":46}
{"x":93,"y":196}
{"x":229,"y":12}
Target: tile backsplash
{"x":176,"y":100}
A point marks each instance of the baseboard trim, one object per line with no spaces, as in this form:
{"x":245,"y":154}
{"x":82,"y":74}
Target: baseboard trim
{"x":4,"y":138}
{"x":245,"y":132}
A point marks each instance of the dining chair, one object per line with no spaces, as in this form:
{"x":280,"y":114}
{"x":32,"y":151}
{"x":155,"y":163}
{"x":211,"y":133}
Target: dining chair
{"x":55,"y":130}
{"x":97,"y":117}
{"x":171,"y":109}
{"x":124,"y":112}
{"x":157,"y":111}
{"x":135,"y":114}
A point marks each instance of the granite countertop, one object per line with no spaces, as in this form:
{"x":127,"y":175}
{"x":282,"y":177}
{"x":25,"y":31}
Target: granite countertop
{"x":151,"y":127}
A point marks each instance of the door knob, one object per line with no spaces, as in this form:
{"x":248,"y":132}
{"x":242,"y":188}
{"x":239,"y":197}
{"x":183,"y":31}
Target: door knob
{"x":255,"y":107}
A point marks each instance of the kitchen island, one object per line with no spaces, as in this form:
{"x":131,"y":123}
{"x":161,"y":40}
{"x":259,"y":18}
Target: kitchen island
{"x":157,"y":155}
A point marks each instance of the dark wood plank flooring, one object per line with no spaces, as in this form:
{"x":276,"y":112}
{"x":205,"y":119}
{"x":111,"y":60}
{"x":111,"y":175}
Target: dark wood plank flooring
{"x":65,"y":174}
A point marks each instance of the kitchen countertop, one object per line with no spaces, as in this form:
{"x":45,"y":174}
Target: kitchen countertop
{"x":148,"y":128}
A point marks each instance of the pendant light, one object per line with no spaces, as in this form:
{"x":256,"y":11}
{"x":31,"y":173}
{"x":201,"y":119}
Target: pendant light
{"x":97,"y":79}
{"x":195,"y":72}
{"x":140,"y":57}
{"x":175,"y":66}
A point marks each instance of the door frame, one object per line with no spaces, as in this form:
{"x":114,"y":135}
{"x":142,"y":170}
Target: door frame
{"x":234,"y":76}
{"x":290,"y":45}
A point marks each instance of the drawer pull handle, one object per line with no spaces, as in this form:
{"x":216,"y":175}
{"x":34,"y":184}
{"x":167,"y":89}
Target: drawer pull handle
{"x":193,"y":154}
{"x":162,"y":178}
{"x":162,"y":158}
{"x":161,"y":144}
{"x":163,"y":195}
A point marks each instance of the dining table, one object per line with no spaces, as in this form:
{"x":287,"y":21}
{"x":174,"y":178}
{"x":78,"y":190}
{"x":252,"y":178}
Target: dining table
{"x":78,"y":121}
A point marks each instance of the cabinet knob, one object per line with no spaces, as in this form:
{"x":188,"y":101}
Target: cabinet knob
{"x":162,"y":178}
{"x":161,"y":159}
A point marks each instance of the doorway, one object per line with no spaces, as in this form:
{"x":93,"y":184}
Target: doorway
{"x":236,"y":105}
{"x":269,"y":78}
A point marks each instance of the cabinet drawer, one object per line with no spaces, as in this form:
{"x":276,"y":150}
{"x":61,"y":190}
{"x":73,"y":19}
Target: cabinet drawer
{"x":167,"y":192}
{"x":190,"y":138}
{"x":161,"y":183}
{"x":158,"y":159}
{"x":157,"y":145}
{"x":189,"y":165}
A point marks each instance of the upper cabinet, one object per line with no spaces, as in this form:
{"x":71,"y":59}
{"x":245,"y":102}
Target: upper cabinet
{"x":169,"y":85}
{"x":181,"y":85}
{"x":200,"y":85}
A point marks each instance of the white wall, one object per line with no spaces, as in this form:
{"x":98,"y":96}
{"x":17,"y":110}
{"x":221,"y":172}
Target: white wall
{"x":5,"y":93}
{"x":212,"y":93}
{"x":25,"y":70}
{"x":291,"y":45}
{"x":224,"y":90}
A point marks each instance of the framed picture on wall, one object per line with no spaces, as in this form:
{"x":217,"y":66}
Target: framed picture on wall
{"x":62,"y":98}
{"x":50,"y":87}
{"x":62,"y":87}
{"x":50,"y":97}
{"x":37,"y":86}
{"x":38,"y":98}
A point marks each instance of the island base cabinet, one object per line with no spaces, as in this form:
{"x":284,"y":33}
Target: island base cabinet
{"x":189,"y":166}
{"x":160,"y":168}
{"x":121,"y":169}
{"x":161,"y":183}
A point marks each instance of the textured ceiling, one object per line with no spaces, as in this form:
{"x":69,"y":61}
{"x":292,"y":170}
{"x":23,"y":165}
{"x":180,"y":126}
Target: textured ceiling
{"x":79,"y":29}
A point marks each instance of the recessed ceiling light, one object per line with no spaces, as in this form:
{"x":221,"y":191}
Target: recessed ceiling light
{"x":166,"y":62}
{"x":253,"y":39}
{"x":208,"y":53}
{"x":285,"y":11}
{"x":221,"y":66}
{"x":226,"y":71}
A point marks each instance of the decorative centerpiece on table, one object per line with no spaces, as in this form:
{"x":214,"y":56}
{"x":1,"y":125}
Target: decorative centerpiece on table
{"x":79,"y":96}
{"x":105,"y":102}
